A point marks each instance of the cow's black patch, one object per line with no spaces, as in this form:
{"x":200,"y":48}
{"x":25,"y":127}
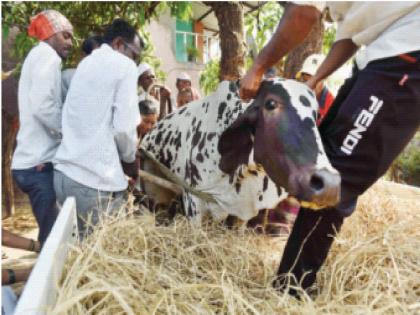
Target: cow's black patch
{"x":202,"y":144}
{"x":238,"y":187}
{"x":195,"y":174}
{"x":221,"y":110}
{"x":265,"y":183}
{"x":200,"y":158}
{"x":233,"y":87}
{"x":211,"y":135}
{"x":168,"y":136}
{"x":304,"y":100}
{"x":314,"y":115}
{"x":167,"y":161}
{"x":188,"y":134}
{"x":158,"y":138}
{"x":177,"y":142}
{"x":311,"y":93}
{"x":229,"y":96}
{"x":260,"y":198}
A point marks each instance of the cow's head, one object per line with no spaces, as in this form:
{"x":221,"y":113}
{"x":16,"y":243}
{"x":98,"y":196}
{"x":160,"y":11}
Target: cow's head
{"x":280,"y":126}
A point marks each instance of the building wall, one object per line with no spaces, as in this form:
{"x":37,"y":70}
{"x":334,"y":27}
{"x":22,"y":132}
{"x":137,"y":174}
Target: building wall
{"x":162,"y":33}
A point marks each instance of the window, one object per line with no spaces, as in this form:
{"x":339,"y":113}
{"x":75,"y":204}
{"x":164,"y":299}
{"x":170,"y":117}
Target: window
{"x":193,"y":46}
{"x":185,"y":40}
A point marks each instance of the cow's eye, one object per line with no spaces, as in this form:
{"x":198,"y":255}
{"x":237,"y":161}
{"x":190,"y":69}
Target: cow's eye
{"x":270,"y":104}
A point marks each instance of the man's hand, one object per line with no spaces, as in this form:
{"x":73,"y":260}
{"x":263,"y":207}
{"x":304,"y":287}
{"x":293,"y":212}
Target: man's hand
{"x":250,"y":83}
{"x":165,"y":93}
{"x":294,"y":26}
{"x":312,"y":82}
{"x":131,"y":169}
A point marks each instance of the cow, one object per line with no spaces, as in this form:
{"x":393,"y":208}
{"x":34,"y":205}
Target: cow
{"x":234,"y":158}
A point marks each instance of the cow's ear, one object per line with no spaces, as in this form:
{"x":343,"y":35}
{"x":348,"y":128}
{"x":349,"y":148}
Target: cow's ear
{"x":236,"y":142}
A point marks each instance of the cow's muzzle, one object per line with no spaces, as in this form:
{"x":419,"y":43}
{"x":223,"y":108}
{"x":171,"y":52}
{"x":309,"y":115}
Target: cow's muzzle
{"x":316,"y":189}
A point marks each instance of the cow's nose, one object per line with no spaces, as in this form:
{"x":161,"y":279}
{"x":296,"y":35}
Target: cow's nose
{"x":325,"y":187}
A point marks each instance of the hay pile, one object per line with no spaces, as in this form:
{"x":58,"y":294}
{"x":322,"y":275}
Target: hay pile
{"x":132,"y":266}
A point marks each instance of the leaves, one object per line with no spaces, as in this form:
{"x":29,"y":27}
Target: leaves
{"x":209,"y":78}
{"x":87,"y":18}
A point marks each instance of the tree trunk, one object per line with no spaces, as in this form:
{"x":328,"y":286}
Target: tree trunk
{"x":9,"y":131}
{"x":230,"y":18}
{"x":311,"y":45}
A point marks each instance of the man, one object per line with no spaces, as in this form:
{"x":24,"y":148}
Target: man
{"x":89,"y":44}
{"x":149,"y":116}
{"x":100,"y":118}
{"x":183,"y":80}
{"x":323,"y":95}
{"x":40,"y":104}
{"x":185,"y":96}
{"x":148,"y":89}
{"x":375,"y":114}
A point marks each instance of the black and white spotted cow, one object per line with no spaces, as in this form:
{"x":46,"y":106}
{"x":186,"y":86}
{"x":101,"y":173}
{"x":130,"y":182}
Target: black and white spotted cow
{"x":244,"y":155}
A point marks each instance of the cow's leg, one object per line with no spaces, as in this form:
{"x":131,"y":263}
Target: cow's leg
{"x":391,"y":105}
{"x":192,"y":211}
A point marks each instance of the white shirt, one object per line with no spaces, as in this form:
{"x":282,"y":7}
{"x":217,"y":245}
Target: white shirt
{"x":100,"y":117}
{"x":385,"y":29}
{"x":39,"y":99}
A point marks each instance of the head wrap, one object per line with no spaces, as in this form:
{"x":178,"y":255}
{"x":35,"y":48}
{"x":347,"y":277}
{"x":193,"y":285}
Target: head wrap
{"x":47,"y":23}
{"x":143,"y":67}
{"x":183,"y":76}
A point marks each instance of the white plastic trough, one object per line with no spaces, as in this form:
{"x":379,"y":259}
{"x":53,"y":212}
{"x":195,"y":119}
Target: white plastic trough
{"x":40,"y":290}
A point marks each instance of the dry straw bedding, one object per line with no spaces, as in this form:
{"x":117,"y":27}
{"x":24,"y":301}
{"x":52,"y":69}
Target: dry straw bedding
{"x":133,"y":266}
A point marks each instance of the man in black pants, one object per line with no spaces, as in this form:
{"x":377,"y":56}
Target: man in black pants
{"x":375,"y":114}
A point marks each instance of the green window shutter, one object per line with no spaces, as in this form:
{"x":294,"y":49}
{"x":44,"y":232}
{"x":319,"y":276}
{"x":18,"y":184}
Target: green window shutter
{"x":183,"y":40}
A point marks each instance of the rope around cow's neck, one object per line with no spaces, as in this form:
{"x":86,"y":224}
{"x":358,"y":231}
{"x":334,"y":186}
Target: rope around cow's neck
{"x":176,"y":180}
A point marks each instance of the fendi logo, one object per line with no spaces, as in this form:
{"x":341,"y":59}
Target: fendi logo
{"x":363,"y":121}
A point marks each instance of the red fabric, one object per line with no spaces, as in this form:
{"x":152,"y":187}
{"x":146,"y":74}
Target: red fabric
{"x":47,"y":23}
{"x":40,"y":28}
{"x":325,"y":107}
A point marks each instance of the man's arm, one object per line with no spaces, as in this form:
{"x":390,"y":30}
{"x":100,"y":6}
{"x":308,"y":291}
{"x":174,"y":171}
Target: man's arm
{"x":126,"y":119}
{"x":340,"y":52}
{"x":45,"y":92}
{"x":16,"y":241}
{"x":294,"y":26}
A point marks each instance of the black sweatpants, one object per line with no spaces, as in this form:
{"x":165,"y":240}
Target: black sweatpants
{"x":374,"y":116}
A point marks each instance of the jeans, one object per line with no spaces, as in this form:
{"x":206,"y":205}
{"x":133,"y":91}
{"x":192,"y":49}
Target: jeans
{"x":91,"y":203}
{"x":37,"y":183}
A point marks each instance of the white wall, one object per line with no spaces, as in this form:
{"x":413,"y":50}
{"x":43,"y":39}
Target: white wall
{"x":162,"y":33}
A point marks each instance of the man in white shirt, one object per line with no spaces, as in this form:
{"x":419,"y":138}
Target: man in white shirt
{"x":100,"y":118}
{"x":40,"y":103}
{"x":375,"y":114}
